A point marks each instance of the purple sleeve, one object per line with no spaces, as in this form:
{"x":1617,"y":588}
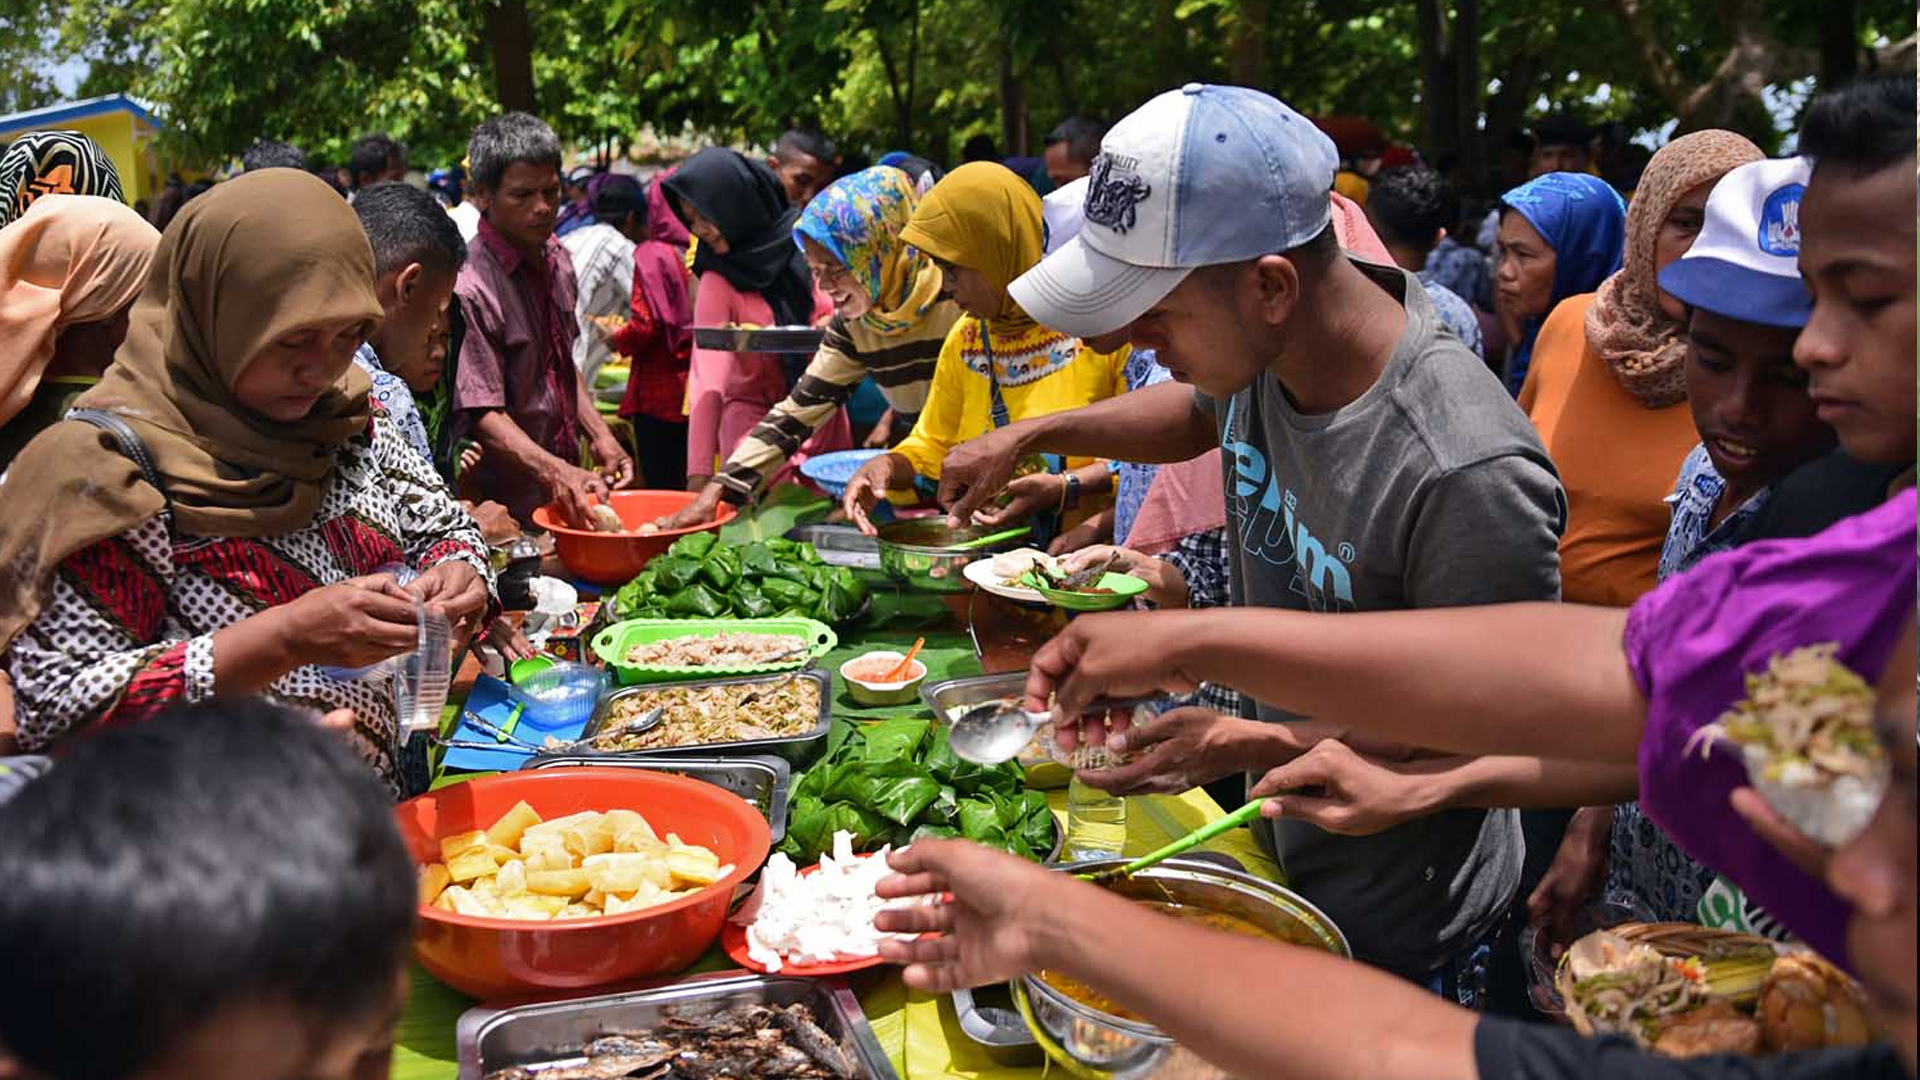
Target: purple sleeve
{"x":1691,"y":642}
{"x":480,"y":379}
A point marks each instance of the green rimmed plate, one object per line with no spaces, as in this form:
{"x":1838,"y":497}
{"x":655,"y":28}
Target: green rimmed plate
{"x":1121,"y":590}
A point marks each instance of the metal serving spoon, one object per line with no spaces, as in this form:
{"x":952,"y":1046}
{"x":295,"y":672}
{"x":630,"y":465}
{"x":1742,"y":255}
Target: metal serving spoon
{"x":643,"y":722}
{"x":996,"y":731}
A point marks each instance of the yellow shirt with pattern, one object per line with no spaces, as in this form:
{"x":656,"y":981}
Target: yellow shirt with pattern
{"x":1041,"y":371}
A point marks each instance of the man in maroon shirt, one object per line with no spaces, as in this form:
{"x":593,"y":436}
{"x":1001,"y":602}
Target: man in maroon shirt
{"x":516,"y":390}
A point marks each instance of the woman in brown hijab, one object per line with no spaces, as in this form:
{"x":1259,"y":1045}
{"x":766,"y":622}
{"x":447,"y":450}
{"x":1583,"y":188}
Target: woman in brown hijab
{"x":247,"y":553}
{"x":1607,"y":387}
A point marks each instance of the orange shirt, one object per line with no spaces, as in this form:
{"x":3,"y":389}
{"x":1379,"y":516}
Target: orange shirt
{"x":1618,"y":461}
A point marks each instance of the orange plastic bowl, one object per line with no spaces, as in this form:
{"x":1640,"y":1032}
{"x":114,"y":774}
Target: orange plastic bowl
{"x":493,"y":958}
{"x":614,"y":558}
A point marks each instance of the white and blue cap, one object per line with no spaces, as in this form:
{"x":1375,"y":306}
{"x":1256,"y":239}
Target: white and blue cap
{"x":1197,"y":176}
{"x":1745,"y":264}
{"x":1064,"y":211}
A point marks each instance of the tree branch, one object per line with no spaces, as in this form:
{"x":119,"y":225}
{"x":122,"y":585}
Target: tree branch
{"x":1663,"y":72}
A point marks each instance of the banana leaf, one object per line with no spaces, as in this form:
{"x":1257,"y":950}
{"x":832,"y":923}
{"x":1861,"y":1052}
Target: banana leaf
{"x":693,"y":546}
{"x":674,"y":573}
{"x":697,"y":601}
{"x":894,"y":740}
{"x":721,"y":568}
{"x":1037,"y":829}
{"x":793,"y":570}
{"x":809,"y":831}
{"x":759,"y":561}
{"x":749,"y":602}
{"x":867,"y":827}
{"x":789,"y":593}
{"x":836,"y":605}
{"x":901,"y":799}
{"x":980,"y":822}
{"x":632,"y":596}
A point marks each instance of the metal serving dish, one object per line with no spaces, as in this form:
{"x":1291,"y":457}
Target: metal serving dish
{"x":761,"y":779}
{"x":921,"y":554}
{"x":942,"y":698}
{"x":1088,"y":1042}
{"x":987,"y":1017}
{"x":798,"y":750}
{"x":840,"y":545}
{"x":781,"y":339}
{"x":490,"y":1039}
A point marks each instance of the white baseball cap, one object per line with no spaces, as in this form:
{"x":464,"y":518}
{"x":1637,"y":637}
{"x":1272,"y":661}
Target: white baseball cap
{"x":1745,"y":264}
{"x":1062,"y":210}
{"x":1197,"y":176}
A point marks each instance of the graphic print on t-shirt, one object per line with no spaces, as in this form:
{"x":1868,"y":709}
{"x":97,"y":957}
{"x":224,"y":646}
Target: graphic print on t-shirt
{"x":1273,"y":528}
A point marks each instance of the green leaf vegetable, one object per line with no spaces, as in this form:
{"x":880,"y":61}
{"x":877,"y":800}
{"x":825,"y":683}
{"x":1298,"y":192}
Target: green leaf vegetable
{"x":898,"y":781}
{"x":701,"y":577}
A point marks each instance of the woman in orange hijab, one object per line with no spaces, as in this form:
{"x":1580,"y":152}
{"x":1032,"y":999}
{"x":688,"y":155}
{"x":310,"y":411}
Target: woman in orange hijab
{"x":70,"y":268}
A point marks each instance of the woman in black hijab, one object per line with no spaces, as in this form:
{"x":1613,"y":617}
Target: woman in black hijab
{"x":740,"y":212}
{"x":751,"y":272}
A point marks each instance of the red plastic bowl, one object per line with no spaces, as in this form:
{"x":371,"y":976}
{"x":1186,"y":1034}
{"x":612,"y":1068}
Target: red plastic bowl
{"x":614,"y":558}
{"x":494,"y":958}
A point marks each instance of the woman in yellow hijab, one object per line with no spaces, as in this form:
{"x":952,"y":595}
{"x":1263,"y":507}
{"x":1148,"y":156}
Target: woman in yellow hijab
{"x":982,"y":228}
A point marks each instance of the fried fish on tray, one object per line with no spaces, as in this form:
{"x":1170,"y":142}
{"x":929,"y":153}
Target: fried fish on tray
{"x":748,"y":1041}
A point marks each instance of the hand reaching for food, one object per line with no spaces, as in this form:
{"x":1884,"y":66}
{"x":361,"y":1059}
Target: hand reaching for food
{"x":607,"y":324}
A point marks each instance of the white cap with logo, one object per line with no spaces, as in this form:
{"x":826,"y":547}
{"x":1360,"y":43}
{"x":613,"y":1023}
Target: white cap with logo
{"x":1197,"y":176}
{"x":1745,"y":262}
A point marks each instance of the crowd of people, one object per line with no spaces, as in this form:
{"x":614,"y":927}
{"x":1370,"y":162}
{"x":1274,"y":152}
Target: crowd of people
{"x":1570,"y":482}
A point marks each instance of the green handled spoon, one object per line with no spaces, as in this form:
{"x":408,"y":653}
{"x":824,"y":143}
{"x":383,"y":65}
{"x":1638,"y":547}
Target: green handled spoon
{"x":1186,"y":843}
{"x":992,"y":538}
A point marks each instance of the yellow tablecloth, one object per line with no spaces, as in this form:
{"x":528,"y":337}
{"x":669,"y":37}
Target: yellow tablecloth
{"x":918,"y":1031}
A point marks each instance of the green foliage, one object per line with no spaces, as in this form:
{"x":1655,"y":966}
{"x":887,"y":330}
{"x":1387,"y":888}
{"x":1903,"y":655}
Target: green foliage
{"x":876,"y":74}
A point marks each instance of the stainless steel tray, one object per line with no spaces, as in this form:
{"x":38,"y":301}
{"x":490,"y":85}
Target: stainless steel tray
{"x":840,"y":545}
{"x":761,"y":779}
{"x":971,"y":690}
{"x":798,"y":750}
{"x":997,"y":1029}
{"x":764,"y":339}
{"x":552,"y":1032}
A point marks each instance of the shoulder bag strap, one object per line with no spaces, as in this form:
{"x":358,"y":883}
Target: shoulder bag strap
{"x":131,"y":445}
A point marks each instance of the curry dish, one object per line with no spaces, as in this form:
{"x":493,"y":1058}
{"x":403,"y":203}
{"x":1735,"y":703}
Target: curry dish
{"x":1296,"y":934}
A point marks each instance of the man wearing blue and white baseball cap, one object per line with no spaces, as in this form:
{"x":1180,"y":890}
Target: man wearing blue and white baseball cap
{"x":1371,"y":463}
{"x":1857,"y":257}
{"x":1744,"y":263}
{"x":1746,"y":304}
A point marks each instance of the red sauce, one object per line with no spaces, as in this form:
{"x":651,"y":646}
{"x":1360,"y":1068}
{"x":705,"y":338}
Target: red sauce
{"x":877,"y":671}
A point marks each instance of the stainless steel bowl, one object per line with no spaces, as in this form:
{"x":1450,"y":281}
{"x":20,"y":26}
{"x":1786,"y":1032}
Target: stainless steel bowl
{"x":1090,"y":1043}
{"x":921,"y":553}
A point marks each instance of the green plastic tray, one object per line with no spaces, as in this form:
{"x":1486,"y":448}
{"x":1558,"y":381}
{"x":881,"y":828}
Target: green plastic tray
{"x":612,"y":644}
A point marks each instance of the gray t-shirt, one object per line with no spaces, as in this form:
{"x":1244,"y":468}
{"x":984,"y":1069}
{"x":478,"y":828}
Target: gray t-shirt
{"x":1429,"y":490}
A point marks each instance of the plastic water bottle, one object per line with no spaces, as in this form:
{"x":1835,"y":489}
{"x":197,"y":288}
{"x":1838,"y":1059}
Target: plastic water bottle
{"x":1096,"y":822}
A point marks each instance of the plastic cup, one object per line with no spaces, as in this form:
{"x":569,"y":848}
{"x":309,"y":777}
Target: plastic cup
{"x":422,"y":678}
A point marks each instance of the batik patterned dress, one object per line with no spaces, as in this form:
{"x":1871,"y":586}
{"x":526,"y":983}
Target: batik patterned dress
{"x":129,"y":626}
